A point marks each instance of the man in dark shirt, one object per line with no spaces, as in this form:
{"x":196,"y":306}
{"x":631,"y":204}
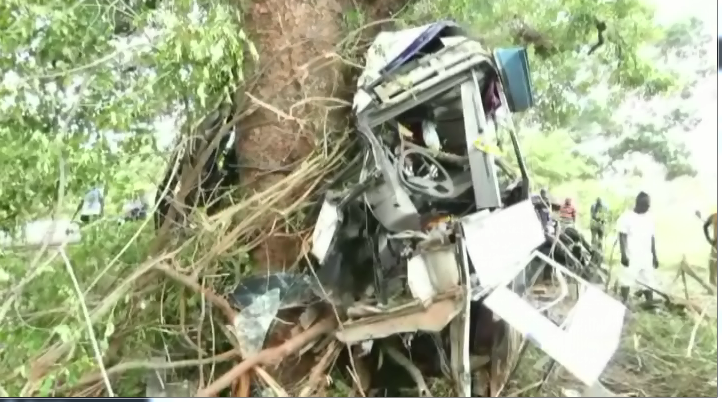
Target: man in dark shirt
{"x":598,"y":223}
{"x":543,"y":209}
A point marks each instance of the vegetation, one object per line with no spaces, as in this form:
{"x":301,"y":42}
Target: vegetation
{"x":99,"y":92}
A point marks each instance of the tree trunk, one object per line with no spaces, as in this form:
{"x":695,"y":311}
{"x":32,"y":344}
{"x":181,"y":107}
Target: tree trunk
{"x":299,"y":64}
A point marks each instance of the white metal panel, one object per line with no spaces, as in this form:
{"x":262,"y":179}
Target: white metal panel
{"x":500,"y":243}
{"x":585,"y":347}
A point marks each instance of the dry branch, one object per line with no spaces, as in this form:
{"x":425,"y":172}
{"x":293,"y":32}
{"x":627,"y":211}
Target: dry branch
{"x":218,"y":301}
{"x":149,"y":365}
{"x":686,"y":268}
{"x":317,"y":373}
{"x":270,"y":356}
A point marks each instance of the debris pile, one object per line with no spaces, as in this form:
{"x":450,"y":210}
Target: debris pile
{"x":428,"y":240}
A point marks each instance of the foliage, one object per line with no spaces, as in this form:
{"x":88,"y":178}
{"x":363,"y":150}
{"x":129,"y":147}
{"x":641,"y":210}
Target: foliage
{"x":48,"y":307}
{"x":90,"y":96}
{"x":86,"y":88}
{"x":552,"y":158}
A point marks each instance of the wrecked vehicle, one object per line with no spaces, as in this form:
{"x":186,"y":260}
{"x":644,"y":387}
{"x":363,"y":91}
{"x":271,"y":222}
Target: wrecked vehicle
{"x":429,"y":236}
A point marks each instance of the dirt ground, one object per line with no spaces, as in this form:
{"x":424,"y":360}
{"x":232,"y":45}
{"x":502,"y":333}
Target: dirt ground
{"x":299,"y":72}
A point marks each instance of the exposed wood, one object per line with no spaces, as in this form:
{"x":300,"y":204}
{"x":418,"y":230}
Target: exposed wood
{"x":686,"y":268}
{"x":270,"y":356}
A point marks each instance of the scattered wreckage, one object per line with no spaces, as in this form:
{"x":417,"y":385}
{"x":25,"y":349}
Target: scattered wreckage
{"x":431,"y":236}
{"x":567,"y":246}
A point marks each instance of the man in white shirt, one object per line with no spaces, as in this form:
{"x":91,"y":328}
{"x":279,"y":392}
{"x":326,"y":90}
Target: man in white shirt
{"x":92,"y":205}
{"x":639,"y":253}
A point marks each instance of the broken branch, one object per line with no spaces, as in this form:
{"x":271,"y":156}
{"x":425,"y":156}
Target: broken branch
{"x":688,"y":270}
{"x":150,"y":365}
{"x":271,"y":383}
{"x":269,"y":356}
{"x":693,"y":335}
{"x":317,"y":372}
{"x":193,"y":285}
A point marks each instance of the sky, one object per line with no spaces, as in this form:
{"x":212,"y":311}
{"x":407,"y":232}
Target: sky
{"x":701,"y":140}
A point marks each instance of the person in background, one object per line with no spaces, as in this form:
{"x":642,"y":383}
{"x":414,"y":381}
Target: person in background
{"x":567,"y":213}
{"x":711,"y":222}
{"x":598,"y":223}
{"x":92,"y":205}
{"x":543,"y":209}
{"x":136,"y":209}
{"x":637,"y":245}
{"x":544,"y":197}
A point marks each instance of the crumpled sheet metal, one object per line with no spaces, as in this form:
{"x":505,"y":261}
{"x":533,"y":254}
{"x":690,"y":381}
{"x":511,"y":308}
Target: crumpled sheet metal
{"x":437,"y":289}
{"x":385,"y":47}
{"x":497,"y":251}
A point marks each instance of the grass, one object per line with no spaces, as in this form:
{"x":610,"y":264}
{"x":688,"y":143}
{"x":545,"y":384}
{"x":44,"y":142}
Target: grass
{"x":661,"y":355}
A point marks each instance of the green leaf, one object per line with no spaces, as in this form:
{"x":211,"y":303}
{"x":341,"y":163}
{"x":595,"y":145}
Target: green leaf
{"x":201,"y":92}
{"x":217,"y":51}
{"x":63,"y":332}
{"x":4,"y":276}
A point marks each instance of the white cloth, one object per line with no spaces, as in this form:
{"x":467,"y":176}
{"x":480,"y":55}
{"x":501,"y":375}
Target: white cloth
{"x":92,"y":202}
{"x":639,"y":229}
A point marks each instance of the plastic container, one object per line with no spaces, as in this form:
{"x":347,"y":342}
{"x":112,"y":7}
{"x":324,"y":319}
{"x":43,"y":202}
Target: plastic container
{"x":513,"y":65}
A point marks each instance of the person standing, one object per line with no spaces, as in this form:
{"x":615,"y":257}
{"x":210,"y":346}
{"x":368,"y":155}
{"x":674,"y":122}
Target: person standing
{"x":545,"y":197}
{"x":567,"y":214}
{"x":541,"y":204}
{"x":92,"y":205}
{"x":598,"y":223}
{"x":711,"y":222}
{"x":638,"y":248}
